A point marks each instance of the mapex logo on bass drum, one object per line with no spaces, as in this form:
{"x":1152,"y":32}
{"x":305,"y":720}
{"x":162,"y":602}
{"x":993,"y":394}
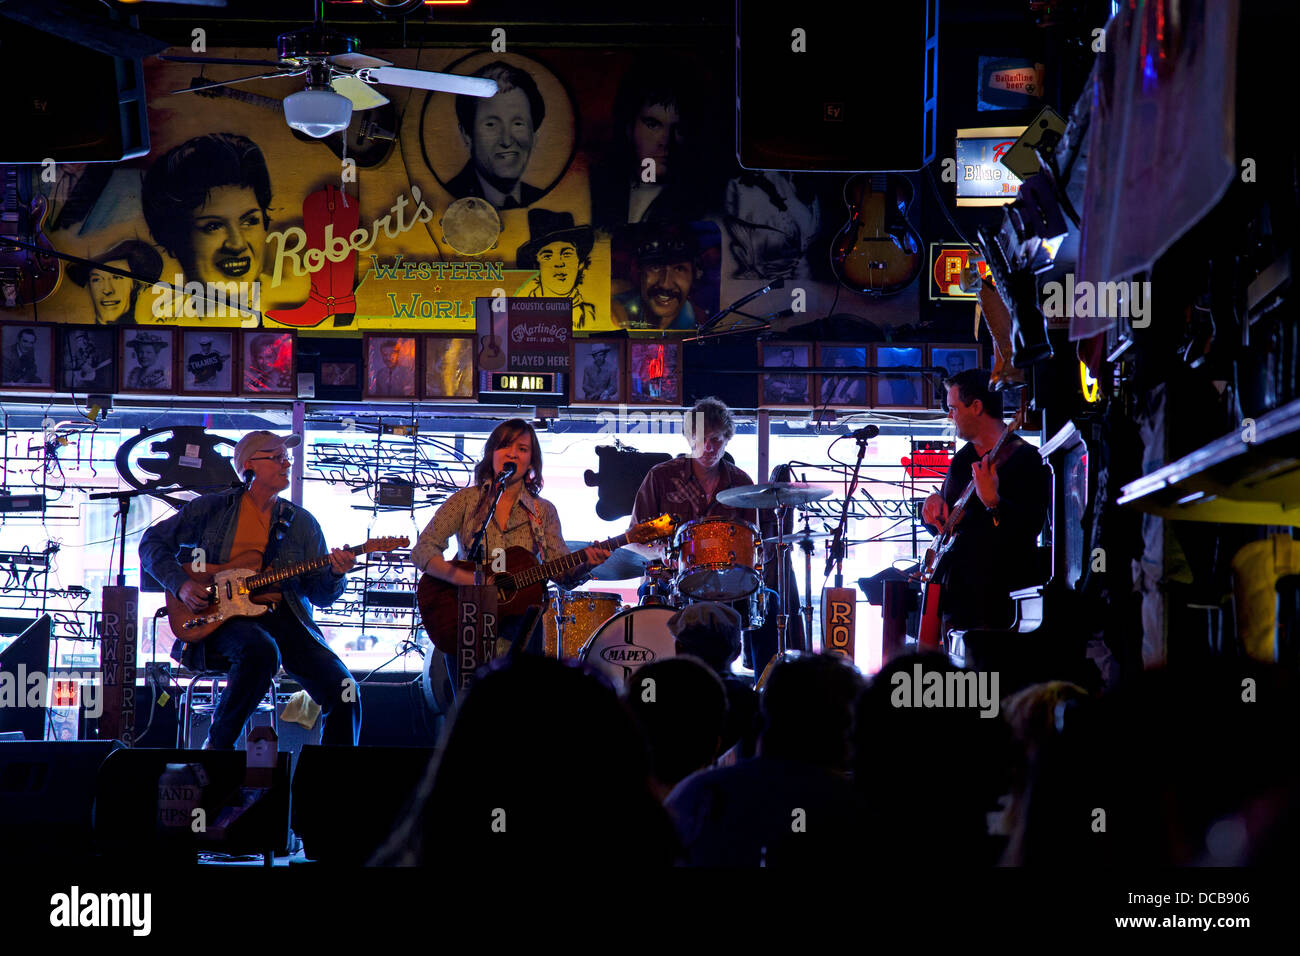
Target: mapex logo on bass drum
{"x":625,"y":655}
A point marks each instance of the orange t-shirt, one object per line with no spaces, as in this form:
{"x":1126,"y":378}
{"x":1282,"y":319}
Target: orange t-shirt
{"x":251,"y":533}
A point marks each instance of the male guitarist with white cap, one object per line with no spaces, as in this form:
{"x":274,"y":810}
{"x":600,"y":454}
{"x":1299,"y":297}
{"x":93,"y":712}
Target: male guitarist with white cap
{"x":256,"y":525}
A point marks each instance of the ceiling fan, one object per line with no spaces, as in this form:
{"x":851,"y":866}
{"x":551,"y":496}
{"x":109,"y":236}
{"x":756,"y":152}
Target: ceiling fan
{"x":339,"y":77}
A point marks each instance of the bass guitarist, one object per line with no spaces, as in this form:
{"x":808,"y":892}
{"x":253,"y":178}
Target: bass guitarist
{"x":995,"y":549}
{"x":523,"y":519}
{"x":256,"y":523}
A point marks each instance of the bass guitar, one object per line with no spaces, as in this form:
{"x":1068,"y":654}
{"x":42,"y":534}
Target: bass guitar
{"x":930,"y":637}
{"x":877,"y":251}
{"x":25,"y":276}
{"x":233,"y":587}
{"x":522,"y":585}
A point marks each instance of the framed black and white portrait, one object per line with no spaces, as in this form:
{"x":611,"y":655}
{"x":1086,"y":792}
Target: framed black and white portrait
{"x":27,"y":351}
{"x":207,"y":362}
{"x":900,"y":389}
{"x":148,"y":360}
{"x":791,"y":388}
{"x":86,"y":359}
{"x":838,"y":391}
{"x":598,"y":377}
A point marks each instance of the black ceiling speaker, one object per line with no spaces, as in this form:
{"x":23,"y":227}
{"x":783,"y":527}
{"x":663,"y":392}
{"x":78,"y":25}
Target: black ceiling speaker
{"x":834,"y":88}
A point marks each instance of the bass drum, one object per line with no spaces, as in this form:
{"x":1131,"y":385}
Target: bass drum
{"x":628,"y":641}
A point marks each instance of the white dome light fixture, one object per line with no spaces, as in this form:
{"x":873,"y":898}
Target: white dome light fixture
{"x":318,"y":113}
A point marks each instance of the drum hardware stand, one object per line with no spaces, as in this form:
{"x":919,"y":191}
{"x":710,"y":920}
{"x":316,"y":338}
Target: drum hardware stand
{"x":806,"y":545}
{"x":782,"y":619}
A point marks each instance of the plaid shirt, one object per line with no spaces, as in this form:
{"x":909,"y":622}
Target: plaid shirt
{"x":533,"y":524}
{"x":672,"y":487}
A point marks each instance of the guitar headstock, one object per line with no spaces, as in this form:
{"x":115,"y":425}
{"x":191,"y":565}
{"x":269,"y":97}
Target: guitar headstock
{"x":382,"y":544}
{"x":647,"y":531}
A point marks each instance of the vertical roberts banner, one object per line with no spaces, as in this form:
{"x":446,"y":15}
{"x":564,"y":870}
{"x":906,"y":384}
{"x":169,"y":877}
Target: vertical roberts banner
{"x":476,"y":631}
{"x":117,"y":663}
{"x":839,"y":622}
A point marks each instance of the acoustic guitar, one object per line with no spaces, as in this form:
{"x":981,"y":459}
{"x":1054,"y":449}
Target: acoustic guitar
{"x":25,"y":276}
{"x":522,"y":585}
{"x":491,"y":358}
{"x":877,"y":251}
{"x":930,"y":637}
{"x":233,"y":587}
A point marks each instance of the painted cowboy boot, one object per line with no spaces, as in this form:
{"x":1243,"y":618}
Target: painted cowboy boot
{"x":332,"y":284}
{"x":998,"y":320}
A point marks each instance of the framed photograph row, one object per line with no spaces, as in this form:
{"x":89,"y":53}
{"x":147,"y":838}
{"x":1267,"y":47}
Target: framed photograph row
{"x":788,"y":388}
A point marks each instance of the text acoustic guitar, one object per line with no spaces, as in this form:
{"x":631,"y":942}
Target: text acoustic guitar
{"x":369,"y":137}
{"x":522,"y":585}
{"x":930,"y":637}
{"x":25,"y":276}
{"x":233,"y":585}
{"x":877,"y":251}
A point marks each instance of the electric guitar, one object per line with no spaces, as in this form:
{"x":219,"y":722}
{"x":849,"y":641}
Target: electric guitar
{"x":232,"y":586}
{"x":369,"y":137}
{"x":930,"y":636}
{"x":25,"y":276}
{"x":522,"y":585}
{"x":877,"y":251}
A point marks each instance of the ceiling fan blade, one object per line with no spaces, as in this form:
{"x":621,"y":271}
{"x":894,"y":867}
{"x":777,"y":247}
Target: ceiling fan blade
{"x":363,"y":97}
{"x":424,"y":80}
{"x":96,"y":33}
{"x":220,"y":61}
{"x":243,"y":79}
{"x":355,"y":61}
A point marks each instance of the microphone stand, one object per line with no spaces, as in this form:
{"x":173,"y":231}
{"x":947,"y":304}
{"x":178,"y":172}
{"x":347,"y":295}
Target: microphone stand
{"x":835,"y":550}
{"x":716,"y":317}
{"x":478,"y":547}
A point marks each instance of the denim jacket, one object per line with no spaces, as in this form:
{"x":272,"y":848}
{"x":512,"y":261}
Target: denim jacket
{"x":209,"y":522}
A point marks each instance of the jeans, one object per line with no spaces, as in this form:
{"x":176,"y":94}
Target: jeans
{"x":255,"y":648}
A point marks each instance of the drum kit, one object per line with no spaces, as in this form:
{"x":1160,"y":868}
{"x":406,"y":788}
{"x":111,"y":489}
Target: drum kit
{"x":711,"y":559}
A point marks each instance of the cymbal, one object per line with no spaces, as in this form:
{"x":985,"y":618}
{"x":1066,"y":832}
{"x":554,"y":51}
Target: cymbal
{"x":772,"y":494}
{"x":622,"y":565}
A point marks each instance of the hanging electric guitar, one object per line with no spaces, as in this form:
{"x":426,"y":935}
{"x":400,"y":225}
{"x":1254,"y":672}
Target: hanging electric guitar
{"x":877,"y":251}
{"x":369,"y":137}
{"x":522,"y":585}
{"x":930,"y":636}
{"x":232,"y":585}
{"x":25,"y":276}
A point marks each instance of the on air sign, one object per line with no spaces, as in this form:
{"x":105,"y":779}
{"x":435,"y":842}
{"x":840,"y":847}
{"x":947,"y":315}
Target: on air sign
{"x":946,"y":264}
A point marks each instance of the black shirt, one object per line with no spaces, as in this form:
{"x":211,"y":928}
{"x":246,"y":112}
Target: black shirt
{"x":987,"y":562}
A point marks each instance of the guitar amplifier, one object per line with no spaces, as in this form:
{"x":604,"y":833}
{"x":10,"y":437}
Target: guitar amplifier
{"x":834,"y":88}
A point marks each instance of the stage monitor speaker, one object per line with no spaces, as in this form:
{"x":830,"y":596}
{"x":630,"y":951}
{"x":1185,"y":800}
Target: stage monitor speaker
{"x":65,"y":102}
{"x":47,"y":794}
{"x":29,"y":654}
{"x":834,"y":88}
{"x":347,"y":800}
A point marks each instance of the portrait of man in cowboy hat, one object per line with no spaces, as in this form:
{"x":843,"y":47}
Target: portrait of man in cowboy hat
{"x":113,"y":296}
{"x":208,"y":366}
{"x":667,"y":269}
{"x":561,"y":254}
{"x":600,"y":374}
{"x":153,"y":371}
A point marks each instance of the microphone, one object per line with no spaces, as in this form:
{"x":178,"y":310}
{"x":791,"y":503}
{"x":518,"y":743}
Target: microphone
{"x":866,"y":432}
{"x":507,"y":473}
{"x":248,"y":478}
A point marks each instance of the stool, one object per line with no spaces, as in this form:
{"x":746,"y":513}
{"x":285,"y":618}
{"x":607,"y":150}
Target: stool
{"x":218,"y":679}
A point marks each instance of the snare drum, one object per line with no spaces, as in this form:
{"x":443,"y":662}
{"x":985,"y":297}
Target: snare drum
{"x":582,"y":612}
{"x":630,"y":640}
{"x":718,"y":560}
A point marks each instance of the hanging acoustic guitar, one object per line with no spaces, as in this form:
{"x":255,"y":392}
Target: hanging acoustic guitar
{"x":877,"y":251}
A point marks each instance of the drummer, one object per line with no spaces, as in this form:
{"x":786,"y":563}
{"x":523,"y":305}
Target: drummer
{"x":688,"y":487}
